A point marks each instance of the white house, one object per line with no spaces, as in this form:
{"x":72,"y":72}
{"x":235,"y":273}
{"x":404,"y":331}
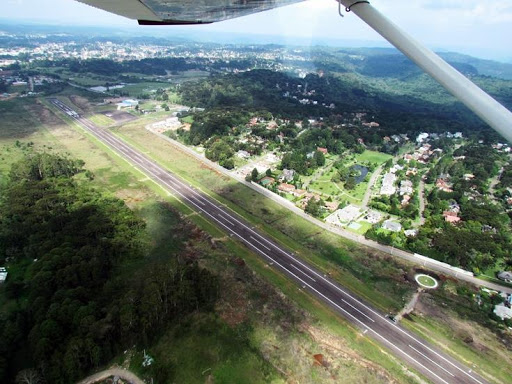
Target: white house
{"x":392,"y":226}
{"x":3,"y":274}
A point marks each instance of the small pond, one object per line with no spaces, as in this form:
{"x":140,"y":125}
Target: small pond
{"x":363,"y":171}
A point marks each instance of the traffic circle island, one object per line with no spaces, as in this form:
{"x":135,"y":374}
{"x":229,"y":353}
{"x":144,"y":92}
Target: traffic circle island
{"x":426,"y":281}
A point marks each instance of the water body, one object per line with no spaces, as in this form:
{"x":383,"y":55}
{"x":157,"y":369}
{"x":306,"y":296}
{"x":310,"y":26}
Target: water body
{"x":363,"y":171}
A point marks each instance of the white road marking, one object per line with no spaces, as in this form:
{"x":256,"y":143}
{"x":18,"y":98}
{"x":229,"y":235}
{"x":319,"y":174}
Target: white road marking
{"x":260,"y":243}
{"x":225,"y":218}
{"x":304,"y":273}
{"x":362,"y":313}
{"x":429,"y":359}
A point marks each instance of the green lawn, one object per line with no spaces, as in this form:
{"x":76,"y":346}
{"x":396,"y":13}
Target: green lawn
{"x":325,"y":188}
{"x":427,"y":281}
{"x":187,"y":119}
{"x":365,"y":226}
{"x":372,"y":157}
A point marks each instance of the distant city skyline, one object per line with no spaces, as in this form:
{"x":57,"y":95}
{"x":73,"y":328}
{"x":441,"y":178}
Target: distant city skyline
{"x":466,"y":26}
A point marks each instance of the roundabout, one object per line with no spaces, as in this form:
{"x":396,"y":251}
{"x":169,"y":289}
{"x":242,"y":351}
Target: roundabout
{"x":426,"y":281}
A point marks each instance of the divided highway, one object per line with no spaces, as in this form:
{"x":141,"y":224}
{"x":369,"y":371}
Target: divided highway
{"x":417,"y":353}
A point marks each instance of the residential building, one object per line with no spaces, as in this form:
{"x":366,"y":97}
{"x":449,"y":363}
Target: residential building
{"x":128,"y":103}
{"x":421,"y":137}
{"x":406,"y":187}
{"x":287,"y":188}
{"x":3,"y":274}
{"x":243,"y":154}
{"x":267,"y":180}
{"x":388,"y":182}
{"x":454,"y":207}
{"x":411,"y":232}
{"x":299,"y":192}
{"x":392,"y":226}
{"x":287,"y":175}
{"x":331,"y":205}
{"x":323,"y":150}
{"x":502,"y":311}
{"x":451,"y":217}
{"x":442,"y":185}
{"x":373,"y":217}
{"x":345,"y":215}
{"x":505,"y":276}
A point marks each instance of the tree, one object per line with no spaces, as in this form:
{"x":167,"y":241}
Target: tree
{"x":268,"y":172}
{"x":254,"y":175}
{"x":319,"y":158}
{"x":314,"y":207}
{"x":350,"y":183}
{"x":29,"y":376}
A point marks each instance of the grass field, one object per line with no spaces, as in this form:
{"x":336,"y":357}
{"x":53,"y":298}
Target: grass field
{"x":372,"y":157}
{"x":165,"y":234}
{"x":101,"y":120}
{"x":427,"y":281}
{"x":16,"y":120}
{"x":324,"y":185}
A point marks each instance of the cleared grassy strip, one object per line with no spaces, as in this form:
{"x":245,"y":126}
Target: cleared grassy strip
{"x":343,"y":259}
{"x":486,"y":362}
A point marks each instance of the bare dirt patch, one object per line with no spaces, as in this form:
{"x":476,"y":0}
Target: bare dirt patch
{"x":43,"y":114}
{"x":132,"y":197}
{"x":338,"y":352}
{"x":81,"y":102}
{"x":120,"y":117}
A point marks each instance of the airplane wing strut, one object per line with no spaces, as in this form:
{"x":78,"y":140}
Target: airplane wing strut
{"x":487,"y":108}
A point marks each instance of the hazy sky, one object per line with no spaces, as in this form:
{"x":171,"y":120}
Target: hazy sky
{"x":478,"y":27}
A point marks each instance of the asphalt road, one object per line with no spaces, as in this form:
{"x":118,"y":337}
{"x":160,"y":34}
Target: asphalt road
{"x":417,"y":353}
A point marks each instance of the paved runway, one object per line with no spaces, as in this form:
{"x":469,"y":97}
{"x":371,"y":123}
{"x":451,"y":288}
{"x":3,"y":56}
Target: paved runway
{"x":417,"y":353}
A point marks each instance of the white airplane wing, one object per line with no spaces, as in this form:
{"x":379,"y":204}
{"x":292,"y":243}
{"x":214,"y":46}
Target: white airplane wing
{"x":169,"y":12}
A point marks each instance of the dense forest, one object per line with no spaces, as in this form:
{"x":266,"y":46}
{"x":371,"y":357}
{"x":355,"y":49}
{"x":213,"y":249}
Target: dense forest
{"x":274,"y":92}
{"x":69,"y":304}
